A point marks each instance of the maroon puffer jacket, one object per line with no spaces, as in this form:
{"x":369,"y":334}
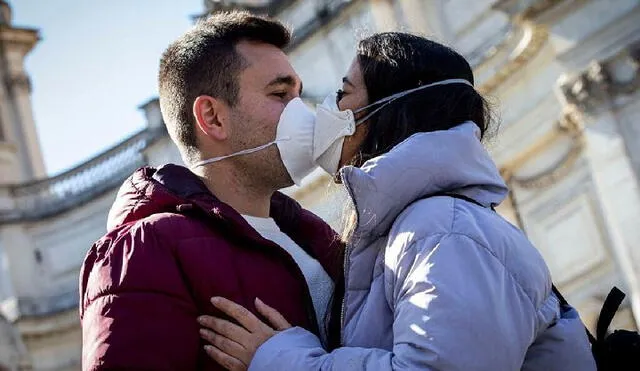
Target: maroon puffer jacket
{"x":171,"y":246}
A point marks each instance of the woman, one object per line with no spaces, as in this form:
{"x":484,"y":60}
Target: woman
{"x":434,"y":278}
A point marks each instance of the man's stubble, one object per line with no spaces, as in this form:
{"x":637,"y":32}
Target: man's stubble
{"x":262,"y":170}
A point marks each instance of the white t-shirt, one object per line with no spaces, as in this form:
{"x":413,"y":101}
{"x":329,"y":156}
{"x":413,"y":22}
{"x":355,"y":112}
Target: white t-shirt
{"x":319,"y":283}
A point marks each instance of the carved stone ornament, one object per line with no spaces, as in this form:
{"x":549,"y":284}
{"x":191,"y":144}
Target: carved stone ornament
{"x":603,"y":80}
{"x":538,"y":38}
{"x":570,"y":124}
{"x":587,"y":90}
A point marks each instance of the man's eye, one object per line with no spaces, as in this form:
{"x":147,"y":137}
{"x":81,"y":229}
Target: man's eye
{"x":339,"y":95}
{"x":281,"y":94}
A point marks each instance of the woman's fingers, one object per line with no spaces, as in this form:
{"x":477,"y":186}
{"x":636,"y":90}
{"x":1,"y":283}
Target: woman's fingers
{"x":234,"y":346}
{"x":227,"y":346}
{"x":275,"y":318}
{"x":226,"y":328}
{"x":225,"y":360}
{"x":239,"y":313}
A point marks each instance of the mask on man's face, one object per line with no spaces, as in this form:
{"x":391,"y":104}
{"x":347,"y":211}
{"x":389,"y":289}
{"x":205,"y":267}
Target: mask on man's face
{"x":306,"y":139}
{"x":294,"y":139}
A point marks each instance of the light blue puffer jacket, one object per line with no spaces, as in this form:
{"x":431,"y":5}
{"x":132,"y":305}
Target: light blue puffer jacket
{"x":438,"y":283}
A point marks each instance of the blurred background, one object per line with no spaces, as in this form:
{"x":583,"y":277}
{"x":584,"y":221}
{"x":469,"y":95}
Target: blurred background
{"x":79,"y":113}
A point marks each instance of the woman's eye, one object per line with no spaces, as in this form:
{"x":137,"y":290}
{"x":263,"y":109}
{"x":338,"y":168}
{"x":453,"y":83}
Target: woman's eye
{"x":339,"y":95}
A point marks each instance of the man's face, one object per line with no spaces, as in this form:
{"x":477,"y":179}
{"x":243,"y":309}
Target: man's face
{"x":266,"y":84}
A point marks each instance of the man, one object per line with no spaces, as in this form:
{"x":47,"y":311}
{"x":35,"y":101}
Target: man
{"x":177,"y":237}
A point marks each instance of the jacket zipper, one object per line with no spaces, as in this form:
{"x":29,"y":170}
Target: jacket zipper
{"x":344,"y":298}
{"x":347,"y":253}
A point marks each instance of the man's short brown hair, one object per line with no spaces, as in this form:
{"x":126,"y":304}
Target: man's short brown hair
{"x":204,"y":61}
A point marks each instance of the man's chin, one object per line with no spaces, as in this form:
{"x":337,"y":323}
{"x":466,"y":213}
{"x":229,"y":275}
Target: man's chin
{"x":280,"y":179}
{"x":289,"y":183}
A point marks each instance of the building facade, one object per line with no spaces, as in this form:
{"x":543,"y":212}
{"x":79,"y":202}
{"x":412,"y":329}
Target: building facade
{"x":564,"y":75}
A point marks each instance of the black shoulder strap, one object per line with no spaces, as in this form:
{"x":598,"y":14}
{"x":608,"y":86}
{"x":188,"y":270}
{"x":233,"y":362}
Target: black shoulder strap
{"x":608,"y":311}
{"x":555,"y":290}
{"x":600,"y":347}
{"x":564,"y":303}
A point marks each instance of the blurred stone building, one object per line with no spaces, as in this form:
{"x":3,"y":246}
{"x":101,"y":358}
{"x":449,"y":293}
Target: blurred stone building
{"x":565,"y":77}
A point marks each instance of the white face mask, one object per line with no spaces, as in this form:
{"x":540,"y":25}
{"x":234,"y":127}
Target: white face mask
{"x":333,"y":125}
{"x":294,"y":138}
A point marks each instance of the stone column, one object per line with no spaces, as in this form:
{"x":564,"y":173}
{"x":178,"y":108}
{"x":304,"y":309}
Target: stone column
{"x":21,"y":87}
{"x":625,"y":72}
{"x":599,"y":93}
{"x":15,"y":102}
{"x":619,"y":199}
{"x":11,"y":171}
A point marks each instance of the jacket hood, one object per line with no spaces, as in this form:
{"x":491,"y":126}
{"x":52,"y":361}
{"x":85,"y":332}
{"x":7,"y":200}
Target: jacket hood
{"x":151,"y":191}
{"x":424,"y":164}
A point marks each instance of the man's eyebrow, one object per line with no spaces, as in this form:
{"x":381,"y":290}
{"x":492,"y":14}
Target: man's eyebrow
{"x":285,"y":80}
{"x":282,"y":80}
{"x":346,"y":81}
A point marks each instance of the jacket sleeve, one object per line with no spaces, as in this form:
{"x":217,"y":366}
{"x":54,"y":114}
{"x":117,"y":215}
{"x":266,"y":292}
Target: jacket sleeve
{"x":443,"y":291}
{"x":135,"y":309}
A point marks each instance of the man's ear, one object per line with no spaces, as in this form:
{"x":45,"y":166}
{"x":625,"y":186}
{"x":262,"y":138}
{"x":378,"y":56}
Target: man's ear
{"x":210,"y":114}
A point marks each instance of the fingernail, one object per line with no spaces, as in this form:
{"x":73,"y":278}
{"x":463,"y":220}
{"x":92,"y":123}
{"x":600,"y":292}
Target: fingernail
{"x":205,"y":333}
{"x":215,"y":300}
{"x":208,"y":348}
{"x":259,"y":301}
{"x":201,"y":320}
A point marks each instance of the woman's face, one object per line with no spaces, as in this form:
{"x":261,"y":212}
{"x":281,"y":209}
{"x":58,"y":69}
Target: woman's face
{"x":353,"y":95}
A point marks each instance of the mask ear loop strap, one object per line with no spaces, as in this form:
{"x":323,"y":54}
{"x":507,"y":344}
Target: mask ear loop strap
{"x":368,"y":116}
{"x":243,"y":152}
{"x":386,"y":101}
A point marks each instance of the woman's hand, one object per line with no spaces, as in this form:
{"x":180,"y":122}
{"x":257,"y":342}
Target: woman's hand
{"x":234,"y":346}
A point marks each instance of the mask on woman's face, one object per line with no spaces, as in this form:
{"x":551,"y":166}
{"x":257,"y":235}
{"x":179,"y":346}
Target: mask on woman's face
{"x":333,"y":125}
{"x":306,"y":139}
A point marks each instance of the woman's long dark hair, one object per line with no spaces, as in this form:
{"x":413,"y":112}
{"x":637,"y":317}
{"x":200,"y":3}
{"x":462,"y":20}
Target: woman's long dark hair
{"x":392,"y":62}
